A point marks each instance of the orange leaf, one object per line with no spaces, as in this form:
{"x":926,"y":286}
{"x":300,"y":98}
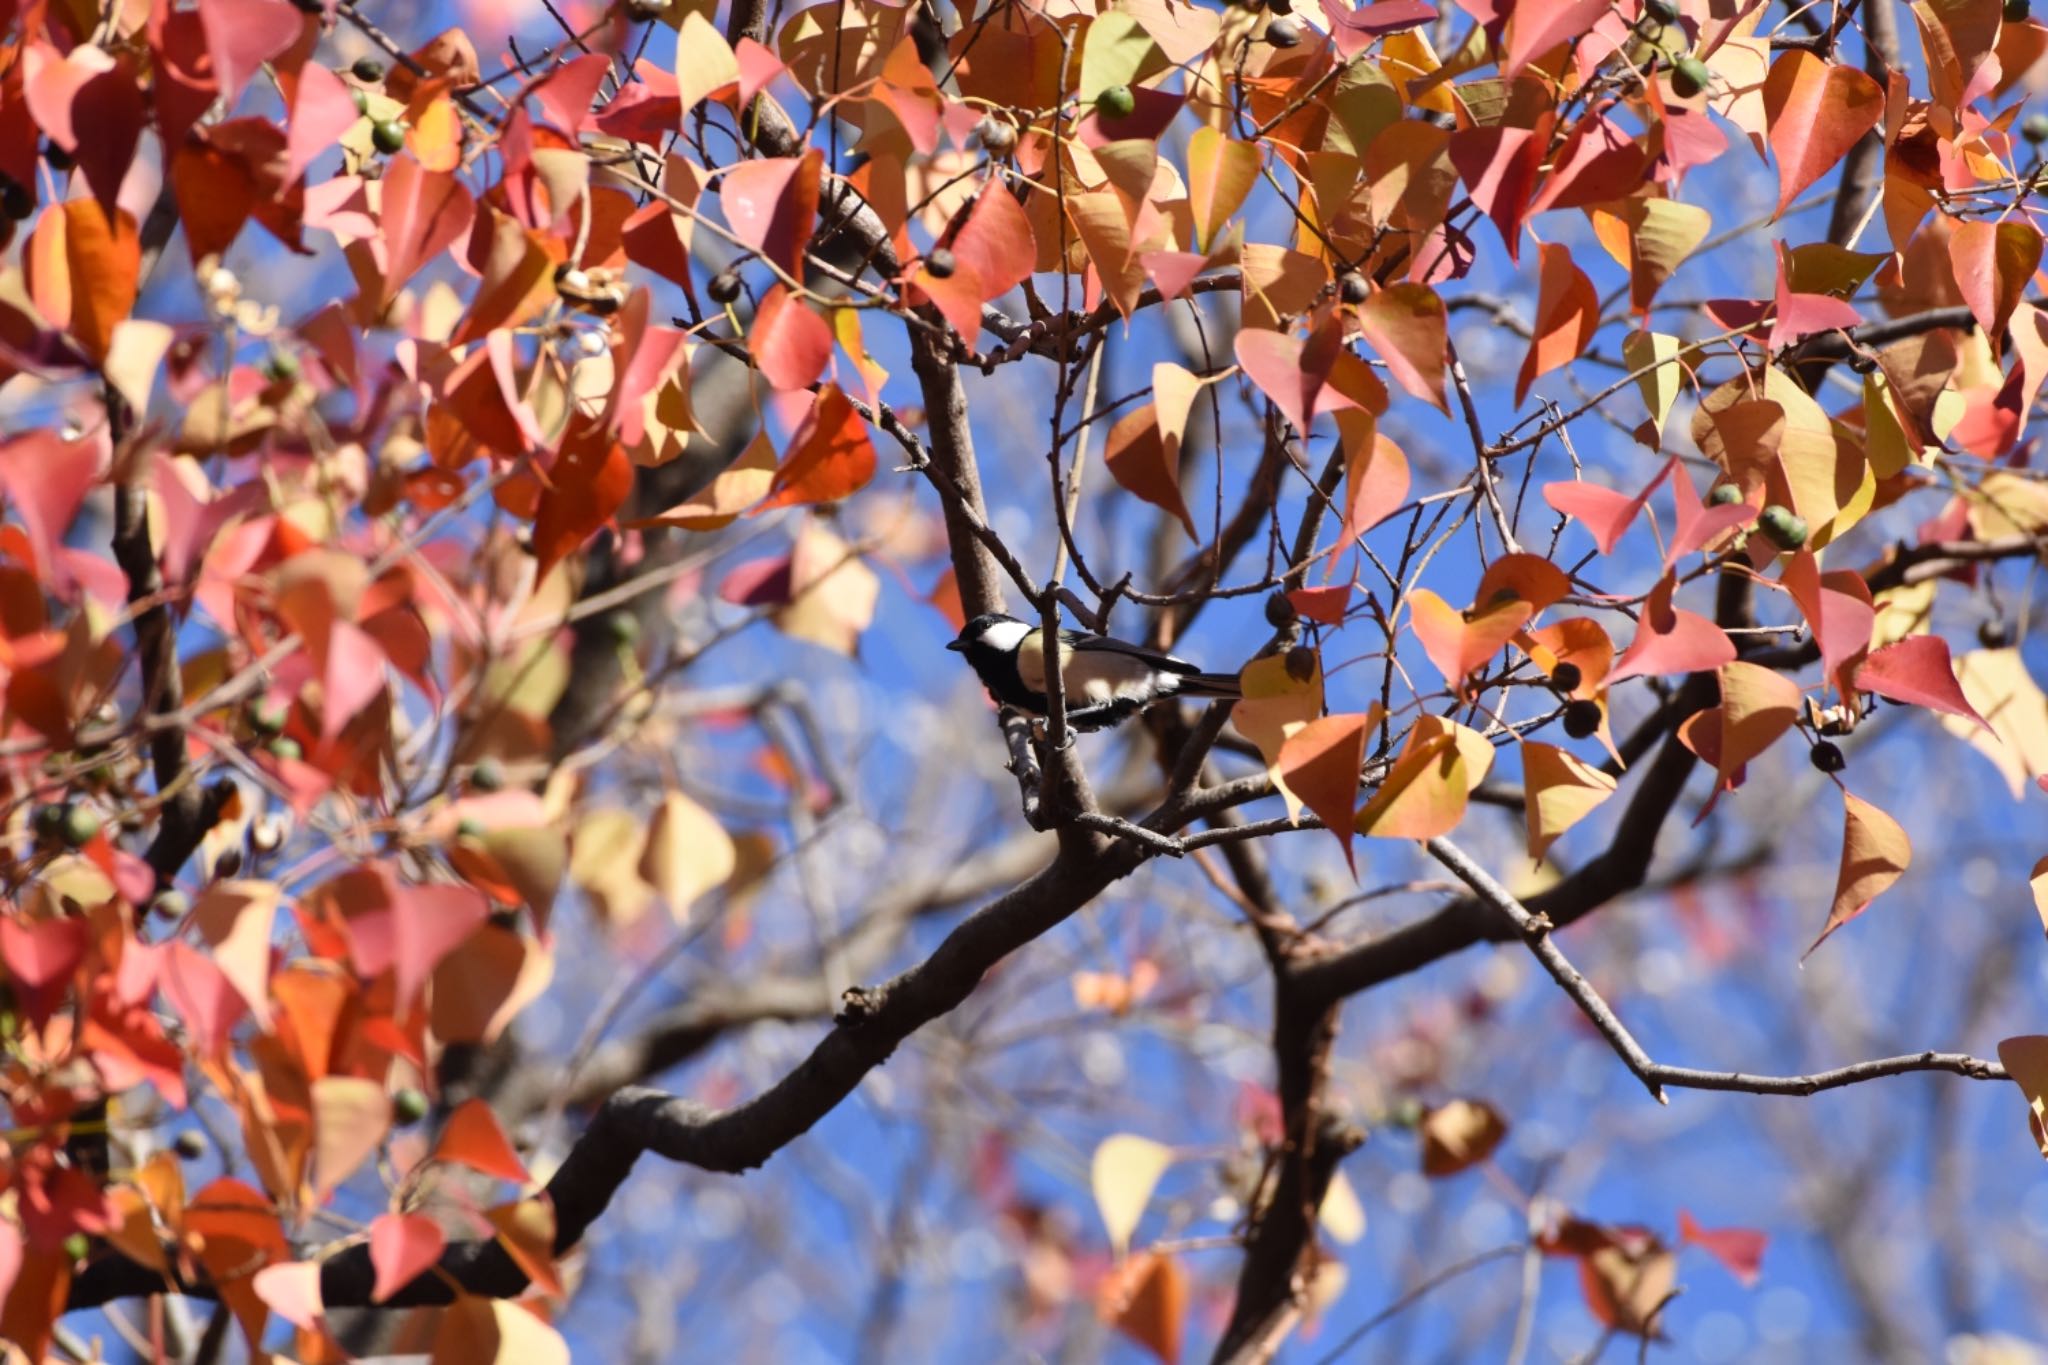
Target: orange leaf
{"x":1146,"y":465}
{"x":1320,"y":762}
{"x":84,"y":271}
{"x":1671,"y":639}
{"x":526,"y":1229}
{"x":1405,"y":323}
{"x":474,"y":1139}
{"x":1758,"y":706}
{"x":1875,"y":853}
{"x":1567,"y":315}
{"x":351,"y":1115}
{"x":1992,"y":263}
{"x":1221,"y":173}
{"x":789,"y":341}
{"x":424,"y":213}
{"x":2026,"y":1059}
{"x":1275,"y":705}
{"x":1147,"y":1299}
{"x":1817,"y":110}
{"x":1425,"y":793}
{"x":830,"y":457}
{"x":1739,"y":1250}
{"x":1376,"y":477}
{"x":1458,"y":1135}
{"x":588,"y":483}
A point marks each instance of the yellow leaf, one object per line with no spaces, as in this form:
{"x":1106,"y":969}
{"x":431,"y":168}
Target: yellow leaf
{"x":1459,"y":1134}
{"x":1997,"y":684}
{"x":1341,"y":1215}
{"x":2039,"y":882}
{"x":705,"y":63}
{"x":1275,"y":705}
{"x":688,"y":853}
{"x":1561,"y":789}
{"x":1122,"y":1174}
{"x":351,"y":1115}
{"x":1425,"y":793}
{"x":605,"y":855}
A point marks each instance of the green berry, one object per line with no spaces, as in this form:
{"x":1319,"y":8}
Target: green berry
{"x":1566,"y":678}
{"x":171,"y":904}
{"x":1407,"y":1112}
{"x":368,"y":70}
{"x":2034,"y":128}
{"x":285,"y":747}
{"x":1116,"y":101}
{"x":387,"y":135}
{"x":1284,"y":33}
{"x":1828,"y":758}
{"x":267,"y":718}
{"x":409,"y":1105}
{"x":940,"y":264}
{"x":76,"y":1247}
{"x":724,"y":286}
{"x":1582,"y":718}
{"x":1723,"y":495}
{"x":469,"y":828}
{"x":623,"y":627}
{"x":361,"y":97}
{"x":1783,"y":527}
{"x":281,"y":367}
{"x":1689,"y":76}
{"x":487,"y":776}
{"x":81,"y":826}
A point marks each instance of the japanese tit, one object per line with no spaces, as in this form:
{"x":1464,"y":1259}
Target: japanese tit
{"x":1105,"y":680}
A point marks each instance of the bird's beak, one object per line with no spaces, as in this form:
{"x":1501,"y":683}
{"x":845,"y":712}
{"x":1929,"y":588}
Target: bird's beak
{"x":955,"y":645}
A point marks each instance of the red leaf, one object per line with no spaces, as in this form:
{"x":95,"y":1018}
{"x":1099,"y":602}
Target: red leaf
{"x":1406,"y":324}
{"x":588,"y":482}
{"x":1145,"y":465}
{"x":771,"y":205}
{"x":474,"y":1139}
{"x":425,"y":212}
{"x":790,"y":342}
{"x":46,"y":479}
{"x":1567,"y":315}
{"x":1537,"y":26}
{"x":1739,"y":1250}
{"x":1918,"y":671}
{"x":1324,"y":605}
{"x":565,"y":93}
{"x":1498,"y":166}
{"x":1841,"y":619}
{"x":1671,"y":640}
{"x":241,"y":35}
{"x":996,"y":244}
{"x":403,"y":1246}
{"x":831,"y":457}
{"x":1816,"y":110}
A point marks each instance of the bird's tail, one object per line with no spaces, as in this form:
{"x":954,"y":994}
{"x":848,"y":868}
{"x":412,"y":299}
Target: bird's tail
{"x":1210,"y":685}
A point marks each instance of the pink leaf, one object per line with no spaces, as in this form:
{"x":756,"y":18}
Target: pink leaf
{"x":323,"y":111}
{"x":790,"y":342}
{"x":1498,"y":166}
{"x":1278,"y":365}
{"x":1355,"y":29}
{"x":771,"y":205}
{"x":403,"y":1246}
{"x":424,"y":213}
{"x":1918,"y":671}
{"x":1739,"y":1250}
{"x":1325,"y":606}
{"x":241,"y":35}
{"x":565,"y":93}
{"x":1671,"y":640}
{"x":1841,"y":620}
{"x":291,"y":1289}
{"x":428,"y":923}
{"x":42,"y":953}
{"x":351,"y":678}
{"x":1699,"y":525}
{"x":1537,"y":26}
{"x":1602,"y":511}
{"x":45,"y":479}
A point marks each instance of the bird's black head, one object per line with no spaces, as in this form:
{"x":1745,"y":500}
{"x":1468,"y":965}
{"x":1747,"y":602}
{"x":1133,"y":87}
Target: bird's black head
{"x":989,"y":628}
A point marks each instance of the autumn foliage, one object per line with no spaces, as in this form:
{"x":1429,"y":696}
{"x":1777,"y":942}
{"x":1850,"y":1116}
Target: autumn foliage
{"x":446,"y":480}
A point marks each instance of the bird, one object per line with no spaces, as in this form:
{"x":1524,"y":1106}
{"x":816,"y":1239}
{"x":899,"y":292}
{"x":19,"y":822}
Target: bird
{"x":1106,"y":680}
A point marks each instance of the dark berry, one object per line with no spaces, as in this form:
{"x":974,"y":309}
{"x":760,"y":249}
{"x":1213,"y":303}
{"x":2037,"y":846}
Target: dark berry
{"x":15,"y":200}
{"x":724,"y":286}
{"x":1993,"y":634}
{"x":189,"y":1145}
{"x":1280,"y":613}
{"x":49,"y":822}
{"x":1301,"y":663}
{"x":1284,"y":33}
{"x":1663,"y":11}
{"x":2016,"y":11}
{"x":1566,"y":678}
{"x":997,"y":136}
{"x":368,"y":70}
{"x":1352,"y":288}
{"x":1582,"y":718}
{"x":941,"y":264}
{"x":59,"y":159}
{"x":1827,"y":757}
{"x":2034,"y":128}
